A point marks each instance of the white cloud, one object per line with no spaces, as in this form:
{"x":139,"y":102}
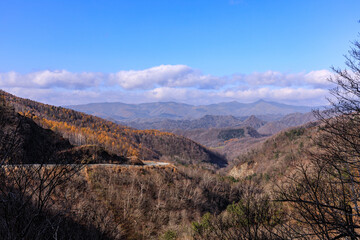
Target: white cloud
{"x":49,"y":79}
{"x":274,"y":78}
{"x":319,"y":78}
{"x":167,"y":93}
{"x":167,"y":83}
{"x":163,"y":76}
{"x":281,"y":94}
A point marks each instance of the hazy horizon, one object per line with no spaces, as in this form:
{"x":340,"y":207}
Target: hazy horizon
{"x":178,"y":102}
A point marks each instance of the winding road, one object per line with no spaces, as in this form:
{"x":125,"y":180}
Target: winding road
{"x":146,"y":163}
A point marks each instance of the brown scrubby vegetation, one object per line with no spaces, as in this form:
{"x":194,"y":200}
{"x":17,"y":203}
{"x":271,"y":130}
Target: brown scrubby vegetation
{"x":255,"y":216}
{"x":135,"y":203}
{"x":277,"y":156}
{"x":146,"y":203}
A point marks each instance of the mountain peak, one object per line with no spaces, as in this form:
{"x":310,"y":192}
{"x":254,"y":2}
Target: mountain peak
{"x":253,"y":122}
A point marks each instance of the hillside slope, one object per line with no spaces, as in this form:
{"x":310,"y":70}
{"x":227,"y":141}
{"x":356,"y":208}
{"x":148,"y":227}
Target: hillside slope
{"x":290,"y":120}
{"x":229,"y":142}
{"x":253,"y":122}
{"x":276,"y":157}
{"x":83,"y":129}
{"x":23,"y":141}
{"x":215,"y":137}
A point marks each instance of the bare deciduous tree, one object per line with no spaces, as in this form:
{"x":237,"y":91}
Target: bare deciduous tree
{"x":26,"y":187}
{"x":255,"y":216}
{"x":324,"y":195}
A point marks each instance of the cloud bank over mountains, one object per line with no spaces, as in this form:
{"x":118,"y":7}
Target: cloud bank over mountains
{"x":168,"y":83}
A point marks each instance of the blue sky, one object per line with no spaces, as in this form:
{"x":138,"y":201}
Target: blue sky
{"x":69,"y":52}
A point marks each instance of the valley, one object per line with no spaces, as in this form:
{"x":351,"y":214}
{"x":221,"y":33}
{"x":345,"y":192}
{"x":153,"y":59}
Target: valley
{"x":228,"y":135}
{"x":179,"y":180}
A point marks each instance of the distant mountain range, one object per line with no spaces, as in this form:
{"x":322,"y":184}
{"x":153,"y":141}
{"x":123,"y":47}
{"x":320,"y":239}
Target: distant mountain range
{"x":172,"y":110}
{"x":229,"y":135}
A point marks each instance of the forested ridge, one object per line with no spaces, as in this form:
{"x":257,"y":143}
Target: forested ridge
{"x":84,"y":129}
{"x":22,"y":141}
